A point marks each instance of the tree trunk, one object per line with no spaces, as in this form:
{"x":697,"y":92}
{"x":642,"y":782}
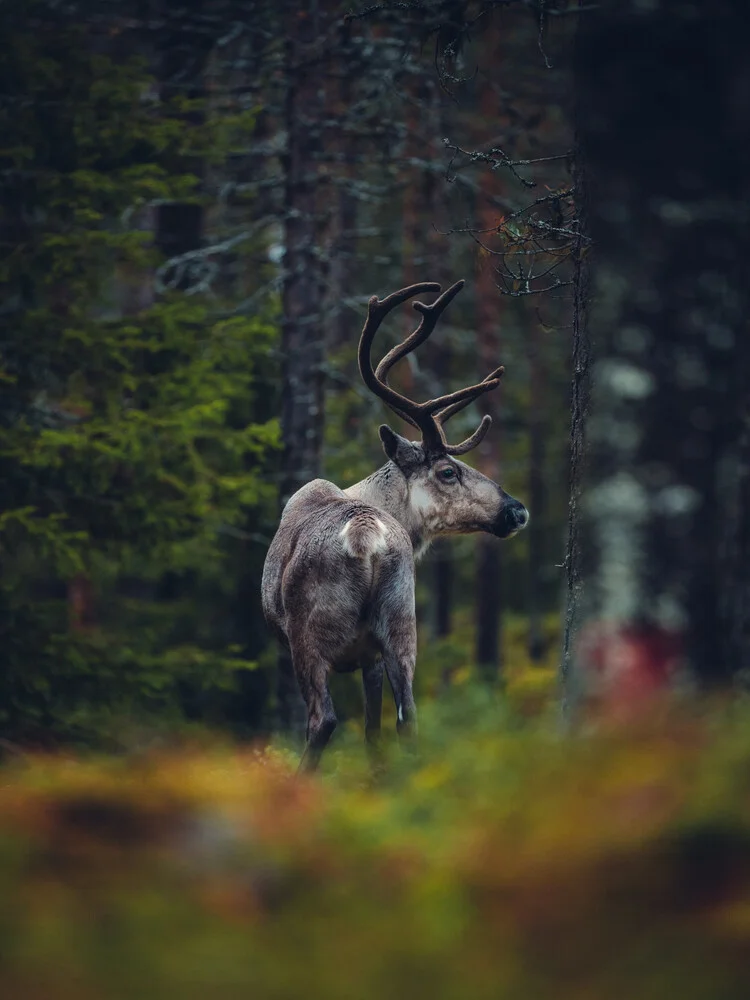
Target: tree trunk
{"x":303,"y":291}
{"x":489,"y":573}
{"x":665,"y":135}
{"x":423,"y":258}
{"x":488,"y":652}
{"x":579,"y":404}
{"x":417,"y":204}
{"x":343,"y":321}
{"x":537,"y":493}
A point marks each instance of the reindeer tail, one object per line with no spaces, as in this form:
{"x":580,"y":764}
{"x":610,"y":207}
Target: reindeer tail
{"x":364,"y":535}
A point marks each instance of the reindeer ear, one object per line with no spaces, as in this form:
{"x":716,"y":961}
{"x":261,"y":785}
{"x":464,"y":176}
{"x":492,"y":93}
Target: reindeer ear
{"x":391,"y":441}
{"x":399,"y":449}
{"x":406,"y":454}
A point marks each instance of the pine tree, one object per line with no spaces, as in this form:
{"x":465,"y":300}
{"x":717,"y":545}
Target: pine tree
{"x":130,"y":442}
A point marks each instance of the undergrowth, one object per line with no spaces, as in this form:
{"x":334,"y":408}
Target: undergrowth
{"x":505,"y":858}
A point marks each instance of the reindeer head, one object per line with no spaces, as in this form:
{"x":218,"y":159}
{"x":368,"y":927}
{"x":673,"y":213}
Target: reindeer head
{"x":445,"y":495}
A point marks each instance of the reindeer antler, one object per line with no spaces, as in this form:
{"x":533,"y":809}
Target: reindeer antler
{"x":429,"y":416}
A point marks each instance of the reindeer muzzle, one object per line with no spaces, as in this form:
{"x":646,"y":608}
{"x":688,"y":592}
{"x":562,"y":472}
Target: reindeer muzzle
{"x":512,"y":518}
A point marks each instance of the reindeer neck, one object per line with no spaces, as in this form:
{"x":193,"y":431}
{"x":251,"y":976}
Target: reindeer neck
{"x":387,"y":489}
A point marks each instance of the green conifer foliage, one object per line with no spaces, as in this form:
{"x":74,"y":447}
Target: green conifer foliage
{"x":135,"y":433}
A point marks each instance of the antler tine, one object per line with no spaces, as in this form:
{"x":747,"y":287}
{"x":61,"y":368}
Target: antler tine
{"x":377,"y":310}
{"x":448,"y":411}
{"x":443,"y":407}
{"x":434,"y":412}
{"x":455,"y":401}
{"x":473,"y":440}
{"x":489,"y":383}
{"x":428,"y":417}
{"x":430,"y":315}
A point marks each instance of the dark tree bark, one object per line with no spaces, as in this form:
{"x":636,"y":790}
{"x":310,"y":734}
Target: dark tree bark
{"x":424,"y":260}
{"x":303,"y":289}
{"x":735,"y":606}
{"x":488,"y":649}
{"x":488,"y":607}
{"x":442,"y":561}
{"x":579,"y":402}
{"x":304,"y":280}
{"x":488,"y":572}
{"x":418,"y":202}
{"x":537,"y":492}
{"x":665,"y":134}
{"x":343,"y":324}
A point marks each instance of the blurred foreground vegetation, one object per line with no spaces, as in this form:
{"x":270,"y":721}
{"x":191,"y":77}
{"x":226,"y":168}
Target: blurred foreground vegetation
{"x":504,"y":860}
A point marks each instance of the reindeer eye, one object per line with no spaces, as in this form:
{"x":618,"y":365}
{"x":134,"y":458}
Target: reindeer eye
{"x":447,"y":474}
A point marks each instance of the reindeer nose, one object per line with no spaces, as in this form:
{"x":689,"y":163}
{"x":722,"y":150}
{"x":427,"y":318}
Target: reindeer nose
{"x":520,"y":515}
{"x":513,"y":517}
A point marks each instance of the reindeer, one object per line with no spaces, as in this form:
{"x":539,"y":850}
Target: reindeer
{"x":338,"y":582}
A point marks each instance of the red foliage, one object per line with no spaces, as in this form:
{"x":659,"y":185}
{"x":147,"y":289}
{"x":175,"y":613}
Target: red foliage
{"x":625,"y":667}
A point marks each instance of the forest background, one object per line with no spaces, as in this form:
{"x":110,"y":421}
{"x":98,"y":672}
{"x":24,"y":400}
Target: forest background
{"x":197,"y":204}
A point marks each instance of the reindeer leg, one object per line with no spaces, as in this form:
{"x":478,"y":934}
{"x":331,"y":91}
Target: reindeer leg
{"x":321,"y":717}
{"x":400,"y":671}
{"x":396,"y":630}
{"x":372,"y":685}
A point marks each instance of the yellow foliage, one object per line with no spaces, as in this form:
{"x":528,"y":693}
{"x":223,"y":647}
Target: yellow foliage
{"x":503,"y":860}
